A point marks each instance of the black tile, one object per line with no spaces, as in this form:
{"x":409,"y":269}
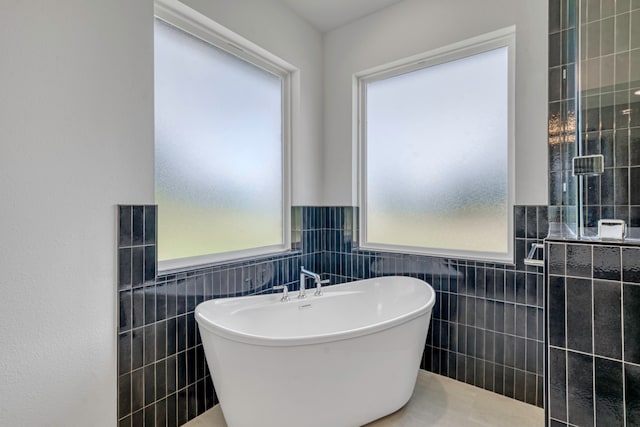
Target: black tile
{"x":124,"y":268}
{"x":521,"y":320}
{"x":471,"y":341}
{"x":181,"y":332}
{"x":137,"y":348}
{"x":579,"y":314}
{"x":498,"y":384}
{"x":161,"y":301}
{"x":520,"y":353}
{"x":182,"y":406}
{"x":124,"y":226}
{"x":556,"y":312}
{"x":580,"y":389}
{"x":531,"y":354}
{"x":510,"y":318}
{"x":478,"y":379}
{"x":579,"y":260}
{"x":606,"y":262}
{"x":161,"y":413}
{"x":499,"y":316}
{"x":489,"y":346}
{"x":170,"y":295}
{"x":161,"y":340}
{"x":200,"y":396}
{"x":137,"y":266}
{"x":192,"y":402}
{"x":149,"y":225}
{"x":558,"y":384}
{"x":499,"y":283}
{"x":125,"y":422}
{"x":149,"y":384}
{"x":137,"y":215}
{"x":150,"y":416}
{"x":631,"y":265}
{"x":520,"y":386}
{"x":509,"y":382}
{"x":125,"y":311}
{"x":160,"y":383}
{"x":530,"y":389}
{"x":631,"y":313}
{"x":137,"y":418}
{"x":532,"y":222}
{"x":557,"y":258}
{"x":634,"y":176}
{"x":543,"y":222}
{"x":521,"y":288}
{"x":192,"y":332}
{"x":170,"y":378}
{"x":489,"y":376}
{"x":632,"y":394}
{"x":509,"y":351}
{"x":124,"y":353}
{"x":181,"y":370}
{"x":149,"y":344}
{"x":149,"y":264}
{"x":172,"y":341}
{"x":519,"y":221}
{"x":470,"y":370}
{"x":607,"y":327}
{"x":137,"y":390}
{"x":172,"y":410}
{"x":554,"y":50}
{"x":181,"y":296}
{"x":124,"y":395}
{"x":609,"y":396}
{"x":471,"y":310}
{"x":149,"y":305}
{"x":532,"y":322}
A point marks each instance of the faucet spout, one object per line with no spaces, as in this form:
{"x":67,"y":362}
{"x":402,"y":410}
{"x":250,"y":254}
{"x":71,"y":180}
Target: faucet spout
{"x":303,"y":276}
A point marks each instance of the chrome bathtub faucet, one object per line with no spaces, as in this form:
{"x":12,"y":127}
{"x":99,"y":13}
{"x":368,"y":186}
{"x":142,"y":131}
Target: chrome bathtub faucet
{"x":303,"y":277}
{"x":319,"y":284}
{"x":285,"y":292}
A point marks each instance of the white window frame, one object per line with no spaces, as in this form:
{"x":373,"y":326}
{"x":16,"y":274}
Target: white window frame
{"x":184,"y":18}
{"x":497,"y":39}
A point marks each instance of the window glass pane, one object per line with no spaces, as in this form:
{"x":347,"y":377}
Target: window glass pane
{"x":218,"y":148}
{"x":437,"y":156}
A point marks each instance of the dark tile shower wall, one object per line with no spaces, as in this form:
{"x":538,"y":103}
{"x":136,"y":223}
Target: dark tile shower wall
{"x":163,"y":376}
{"x":562,"y":117}
{"x":594,"y":334}
{"x":592,"y":288}
{"x":486,"y":329}
{"x":610,"y":111}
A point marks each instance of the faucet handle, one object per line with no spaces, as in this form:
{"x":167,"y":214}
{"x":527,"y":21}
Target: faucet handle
{"x":285,"y":292}
{"x":319,"y":284}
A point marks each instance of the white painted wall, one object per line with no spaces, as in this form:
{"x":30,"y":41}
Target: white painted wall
{"x":76,"y":138}
{"x":274,"y":27}
{"x":415,"y":26}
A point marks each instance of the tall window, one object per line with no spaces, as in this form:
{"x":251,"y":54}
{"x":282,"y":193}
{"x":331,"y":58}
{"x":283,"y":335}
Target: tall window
{"x":435,"y":152}
{"x":221,"y":131}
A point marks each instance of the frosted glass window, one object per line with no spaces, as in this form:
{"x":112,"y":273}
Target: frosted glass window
{"x":218,"y":148}
{"x":436,"y":158}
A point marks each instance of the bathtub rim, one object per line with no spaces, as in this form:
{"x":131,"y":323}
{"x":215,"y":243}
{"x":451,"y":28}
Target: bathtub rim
{"x":265,"y":341}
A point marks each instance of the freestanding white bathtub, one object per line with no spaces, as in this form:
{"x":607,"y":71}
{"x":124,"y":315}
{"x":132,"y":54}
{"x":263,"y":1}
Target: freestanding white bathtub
{"x":345,"y":358}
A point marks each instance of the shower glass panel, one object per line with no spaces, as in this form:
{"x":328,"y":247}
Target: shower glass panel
{"x":608,"y":99}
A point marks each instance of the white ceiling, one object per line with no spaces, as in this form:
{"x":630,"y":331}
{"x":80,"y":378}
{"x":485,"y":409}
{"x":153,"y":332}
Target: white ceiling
{"x":327,"y":15}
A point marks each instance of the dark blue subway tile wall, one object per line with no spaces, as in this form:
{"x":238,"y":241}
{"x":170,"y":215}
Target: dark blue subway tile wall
{"x":163,"y":375}
{"x":593,"y":334}
{"x":487,"y":326}
{"x":562,"y":116}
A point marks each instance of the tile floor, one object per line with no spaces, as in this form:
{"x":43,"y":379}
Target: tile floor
{"x":438,"y":401}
